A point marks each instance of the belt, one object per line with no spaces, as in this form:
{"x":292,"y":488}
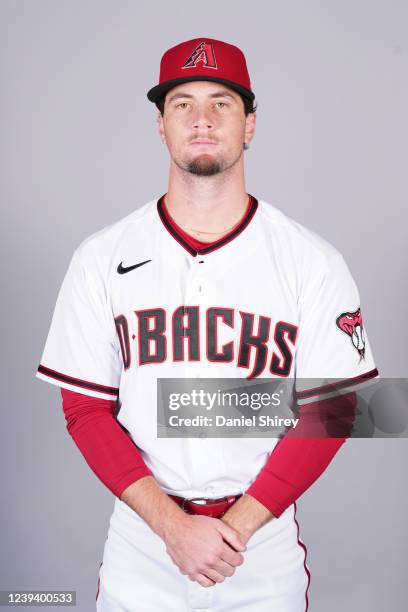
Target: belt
{"x":216,"y":508}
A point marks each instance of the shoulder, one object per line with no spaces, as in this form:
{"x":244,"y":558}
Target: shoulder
{"x":295,"y":240}
{"x":100,"y":246}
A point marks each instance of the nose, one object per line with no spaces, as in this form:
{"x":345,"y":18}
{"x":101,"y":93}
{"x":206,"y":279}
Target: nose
{"x":202,"y":119}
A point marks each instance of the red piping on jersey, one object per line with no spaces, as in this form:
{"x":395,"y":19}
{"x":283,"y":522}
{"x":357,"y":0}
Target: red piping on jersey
{"x":99,"y":582}
{"x":77,"y":381}
{"x":347,"y":382}
{"x":304,"y":561}
{"x":174,"y":229}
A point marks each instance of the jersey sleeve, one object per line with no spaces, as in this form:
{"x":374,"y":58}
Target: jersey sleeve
{"x":333,"y":352}
{"x":81,"y":352}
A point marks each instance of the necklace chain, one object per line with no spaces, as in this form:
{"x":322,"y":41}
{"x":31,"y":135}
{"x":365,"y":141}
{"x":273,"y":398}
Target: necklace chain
{"x":214,"y":233}
{"x":202,"y":231}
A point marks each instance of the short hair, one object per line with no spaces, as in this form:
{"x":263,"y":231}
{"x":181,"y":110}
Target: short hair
{"x":250,"y":106}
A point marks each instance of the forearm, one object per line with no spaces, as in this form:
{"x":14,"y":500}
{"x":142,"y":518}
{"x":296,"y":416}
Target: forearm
{"x":291,"y":469}
{"x":153,"y":505}
{"x":302,"y":455}
{"x":247,"y":515}
{"x":105,"y":445}
{"x":117,"y":461}
{"x":289,"y":472}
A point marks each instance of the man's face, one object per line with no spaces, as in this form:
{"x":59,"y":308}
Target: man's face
{"x":204,"y":126}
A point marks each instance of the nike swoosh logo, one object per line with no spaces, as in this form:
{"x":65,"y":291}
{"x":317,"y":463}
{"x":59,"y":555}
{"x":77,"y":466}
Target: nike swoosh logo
{"x":122,"y":270}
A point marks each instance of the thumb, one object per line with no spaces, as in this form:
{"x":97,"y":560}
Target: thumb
{"x":231,"y":536}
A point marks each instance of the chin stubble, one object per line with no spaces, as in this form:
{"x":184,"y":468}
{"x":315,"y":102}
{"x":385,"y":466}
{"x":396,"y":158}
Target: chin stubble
{"x":204,"y":166}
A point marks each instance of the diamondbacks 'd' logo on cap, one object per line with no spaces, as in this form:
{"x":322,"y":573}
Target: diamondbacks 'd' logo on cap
{"x":351,"y":323}
{"x":203,"y":53}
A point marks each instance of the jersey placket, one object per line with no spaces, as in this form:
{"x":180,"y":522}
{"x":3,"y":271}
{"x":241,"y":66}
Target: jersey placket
{"x":201,"y":291}
{"x":196,"y":294}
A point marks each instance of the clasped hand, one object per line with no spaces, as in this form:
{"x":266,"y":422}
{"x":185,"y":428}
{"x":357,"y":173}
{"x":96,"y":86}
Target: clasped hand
{"x":205,"y":549}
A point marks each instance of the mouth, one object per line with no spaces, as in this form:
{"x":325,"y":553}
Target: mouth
{"x":202,"y":141}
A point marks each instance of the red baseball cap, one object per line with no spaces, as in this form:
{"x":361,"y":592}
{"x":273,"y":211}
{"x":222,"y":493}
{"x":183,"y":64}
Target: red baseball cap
{"x":203,"y":59}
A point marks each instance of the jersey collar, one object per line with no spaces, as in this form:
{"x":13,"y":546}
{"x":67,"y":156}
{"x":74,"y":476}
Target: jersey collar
{"x":172,"y":228}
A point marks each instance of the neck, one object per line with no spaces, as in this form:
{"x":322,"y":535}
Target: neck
{"x":207,"y":203}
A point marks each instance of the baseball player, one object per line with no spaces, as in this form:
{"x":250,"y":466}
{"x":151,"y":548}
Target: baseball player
{"x":205,"y":281}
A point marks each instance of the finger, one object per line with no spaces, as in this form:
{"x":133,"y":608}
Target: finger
{"x":223,"y":568}
{"x":213,"y":575}
{"x":201,"y":579}
{"x":231,"y":536}
{"x":229,"y":555}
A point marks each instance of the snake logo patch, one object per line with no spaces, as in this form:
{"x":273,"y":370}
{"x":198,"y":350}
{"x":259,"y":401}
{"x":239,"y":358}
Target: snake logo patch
{"x":351,"y":323}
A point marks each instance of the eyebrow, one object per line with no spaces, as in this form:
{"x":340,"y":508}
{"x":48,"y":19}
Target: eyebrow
{"x":217,"y":94}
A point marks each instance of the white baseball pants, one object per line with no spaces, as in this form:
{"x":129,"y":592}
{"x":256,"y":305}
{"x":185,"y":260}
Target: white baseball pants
{"x":137,"y":575}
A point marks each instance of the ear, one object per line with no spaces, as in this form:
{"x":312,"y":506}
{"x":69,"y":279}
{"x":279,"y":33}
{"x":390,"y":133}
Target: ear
{"x":250,"y":122}
{"x":160,"y":125}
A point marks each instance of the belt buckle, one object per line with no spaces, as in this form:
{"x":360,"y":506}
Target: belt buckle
{"x":194,"y":500}
{"x":197,"y":500}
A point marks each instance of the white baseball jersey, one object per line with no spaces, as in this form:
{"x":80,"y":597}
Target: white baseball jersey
{"x":272,"y":299}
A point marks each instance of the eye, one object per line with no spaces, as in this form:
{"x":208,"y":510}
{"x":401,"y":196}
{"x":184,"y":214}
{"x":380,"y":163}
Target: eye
{"x":182,"y":105}
{"x":220,"y":104}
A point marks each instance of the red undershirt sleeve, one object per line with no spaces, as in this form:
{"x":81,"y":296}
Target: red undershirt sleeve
{"x":296,"y":462}
{"x":104,"y":443}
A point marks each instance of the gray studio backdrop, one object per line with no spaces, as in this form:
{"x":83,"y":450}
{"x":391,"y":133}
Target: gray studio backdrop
{"x":79,"y":150}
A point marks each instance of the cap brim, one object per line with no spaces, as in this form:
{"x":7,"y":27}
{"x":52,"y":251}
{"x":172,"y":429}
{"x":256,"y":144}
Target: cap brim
{"x":158,"y":91}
